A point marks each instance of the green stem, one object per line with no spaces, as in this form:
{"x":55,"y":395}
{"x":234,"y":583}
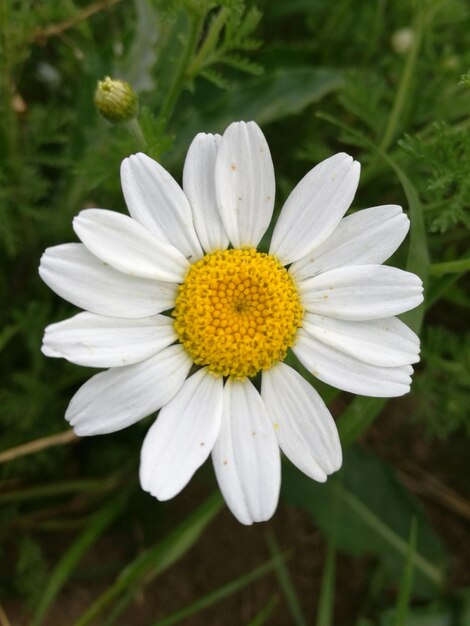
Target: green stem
{"x":182,"y":72}
{"x":59,"y":488}
{"x":327,"y":591}
{"x":209,"y":42}
{"x":406,"y":585}
{"x":450,"y":267}
{"x":136,"y":131}
{"x":404,"y":86}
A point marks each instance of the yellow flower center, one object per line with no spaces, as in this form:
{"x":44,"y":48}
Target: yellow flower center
{"x":237,"y":312}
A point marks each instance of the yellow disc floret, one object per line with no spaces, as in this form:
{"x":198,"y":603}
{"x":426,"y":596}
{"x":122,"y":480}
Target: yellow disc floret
{"x":237,"y":312}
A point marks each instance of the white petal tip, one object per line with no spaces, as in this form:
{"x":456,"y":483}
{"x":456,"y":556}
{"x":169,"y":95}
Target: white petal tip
{"x":82,"y":432}
{"x":161,"y":492}
{"x":132,"y":159}
{"x":160,"y":495}
{"x":50,"y":352}
{"x":337,"y":464}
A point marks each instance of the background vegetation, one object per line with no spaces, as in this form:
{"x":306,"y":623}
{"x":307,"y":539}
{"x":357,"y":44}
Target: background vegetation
{"x":385,"y":541}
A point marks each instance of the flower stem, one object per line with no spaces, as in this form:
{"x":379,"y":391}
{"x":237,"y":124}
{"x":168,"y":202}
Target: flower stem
{"x":450,"y":267}
{"x":135,"y":130}
{"x":209,"y":42}
{"x":404,"y":86}
{"x":182,"y":72}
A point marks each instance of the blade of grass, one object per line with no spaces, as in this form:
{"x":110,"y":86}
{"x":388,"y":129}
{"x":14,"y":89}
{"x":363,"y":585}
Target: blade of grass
{"x":403,"y":91}
{"x":418,"y":256}
{"x":376,"y":525}
{"x":61,"y":572}
{"x":285,"y":582}
{"x":406,"y":584}
{"x":450,"y":267}
{"x":445,"y":275}
{"x":327,"y":591}
{"x":119,"y":607}
{"x":59,"y":488}
{"x":220,"y":593}
{"x":265,"y":613}
{"x":156,"y":559}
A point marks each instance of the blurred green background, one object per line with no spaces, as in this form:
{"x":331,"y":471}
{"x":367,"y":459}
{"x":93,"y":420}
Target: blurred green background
{"x":386,"y":540}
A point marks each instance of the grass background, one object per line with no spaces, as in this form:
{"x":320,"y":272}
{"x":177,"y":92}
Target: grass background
{"x":385,"y":541}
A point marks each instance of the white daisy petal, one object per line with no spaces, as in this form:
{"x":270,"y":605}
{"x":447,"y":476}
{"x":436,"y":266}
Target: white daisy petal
{"x":129,"y":247}
{"x":368,"y":237}
{"x":246,"y":455}
{"x":182,"y":437}
{"x":245,"y":186}
{"x":121,"y":396}
{"x":344,"y":372}
{"x":199,"y":187}
{"x":362,"y":292}
{"x":97,"y":341}
{"x":384,"y":342}
{"x":79,"y":277}
{"x":155,"y":199}
{"x":315,"y":207}
{"x":304,"y":427}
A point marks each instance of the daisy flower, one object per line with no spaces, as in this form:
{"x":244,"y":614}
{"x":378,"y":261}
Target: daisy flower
{"x":185,"y":312}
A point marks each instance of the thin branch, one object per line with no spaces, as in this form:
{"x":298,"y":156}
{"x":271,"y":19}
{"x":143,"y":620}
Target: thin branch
{"x":42,"y":34}
{"x":68,"y":436}
{"x":431,"y":488}
{"x":4,"y":621}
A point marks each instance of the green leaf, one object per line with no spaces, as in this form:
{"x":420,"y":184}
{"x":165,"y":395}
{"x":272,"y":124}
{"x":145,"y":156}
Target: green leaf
{"x":406,"y":585}
{"x":265,"y":613}
{"x":450,"y":267}
{"x":241,"y":63}
{"x":156,"y":559}
{"x":265,"y":99}
{"x":372,"y":512}
{"x":220,"y":593}
{"x":276,"y":96}
{"x":327,"y":591}
{"x":452,"y":611}
{"x":66,"y":564}
{"x":418,"y":256}
{"x":285,"y":582}
{"x":216,"y":78}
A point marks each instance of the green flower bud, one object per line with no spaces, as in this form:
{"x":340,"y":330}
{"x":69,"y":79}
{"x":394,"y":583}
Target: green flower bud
{"x":115,"y":100}
{"x":402,"y":40}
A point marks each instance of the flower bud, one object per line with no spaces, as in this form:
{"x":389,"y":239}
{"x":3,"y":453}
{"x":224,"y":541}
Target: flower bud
{"x":115,"y":100}
{"x":402,"y":40}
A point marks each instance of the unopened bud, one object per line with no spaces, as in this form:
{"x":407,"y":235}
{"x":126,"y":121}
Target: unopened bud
{"x":115,"y":100}
{"x":402,"y":40}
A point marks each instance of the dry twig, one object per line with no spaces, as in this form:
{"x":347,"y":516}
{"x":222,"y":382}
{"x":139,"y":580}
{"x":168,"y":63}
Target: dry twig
{"x":431,"y":488}
{"x":42,"y":34}
{"x":68,"y":436}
